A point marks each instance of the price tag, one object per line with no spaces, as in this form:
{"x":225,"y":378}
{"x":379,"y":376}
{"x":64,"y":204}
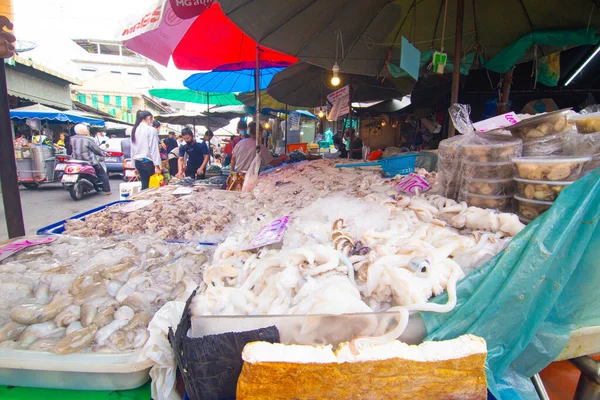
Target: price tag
{"x":11,"y":248}
{"x":270,"y":233}
{"x":498,"y":122}
{"x":413,"y":182}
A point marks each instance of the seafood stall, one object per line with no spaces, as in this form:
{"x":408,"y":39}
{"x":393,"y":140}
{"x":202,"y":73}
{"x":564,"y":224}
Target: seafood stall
{"x":318,"y":269}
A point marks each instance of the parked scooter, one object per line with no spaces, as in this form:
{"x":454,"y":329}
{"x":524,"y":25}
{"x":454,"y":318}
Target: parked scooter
{"x":80,"y":178}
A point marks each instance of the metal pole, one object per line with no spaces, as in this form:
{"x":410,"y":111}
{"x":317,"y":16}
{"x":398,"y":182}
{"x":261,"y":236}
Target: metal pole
{"x":460,"y":13}
{"x":287,"y":114}
{"x":8,"y":166}
{"x":208,"y":110}
{"x":257,"y":94}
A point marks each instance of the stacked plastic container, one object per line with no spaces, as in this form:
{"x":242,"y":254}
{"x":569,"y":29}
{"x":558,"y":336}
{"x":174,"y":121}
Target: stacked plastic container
{"x":588,"y":142}
{"x":488,"y":171}
{"x":545,"y":168}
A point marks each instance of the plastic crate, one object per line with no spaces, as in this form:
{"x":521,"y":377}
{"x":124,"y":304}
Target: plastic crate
{"x":58,"y":228}
{"x":298,"y":146}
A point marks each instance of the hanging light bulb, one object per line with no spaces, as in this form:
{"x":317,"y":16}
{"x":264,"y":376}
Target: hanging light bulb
{"x":335,"y":80}
{"x":267,"y":125}
{"x":383,"y":123}
{"x":321,"y":114}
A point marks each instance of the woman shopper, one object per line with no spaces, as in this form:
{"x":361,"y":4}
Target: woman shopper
{"x":144,"y":147}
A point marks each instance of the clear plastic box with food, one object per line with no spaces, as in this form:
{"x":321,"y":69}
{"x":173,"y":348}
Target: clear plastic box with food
{"x":546,"y":146}
{"x":593,"y":164}
{"x":530,"y":209}
{"x":551,"y":168}
{"x":490,"y":187}
{"x":586,"y":123}
{"x":539,"y":190}
{"x":493,"y":170}
{"x":542,"y":125}
{"x":500,"y":203}
{"x":492,"y":147}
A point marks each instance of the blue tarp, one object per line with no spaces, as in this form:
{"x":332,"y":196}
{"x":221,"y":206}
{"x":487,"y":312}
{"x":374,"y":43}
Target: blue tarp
{"x":230,"y":81}
{"x":526,"y":300}
{"x":57,"y":117}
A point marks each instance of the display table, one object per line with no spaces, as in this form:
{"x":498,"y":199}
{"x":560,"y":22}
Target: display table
{"x":24,"y":393}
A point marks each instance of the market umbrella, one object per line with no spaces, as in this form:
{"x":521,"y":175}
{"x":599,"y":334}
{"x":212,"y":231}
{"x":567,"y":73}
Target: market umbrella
{"x":306,"y":85}
{"x":194,"y":119}
{"x":193,"y":96}
{"x":51,"y":115}
{"x":362,"y":36}
{"x":266,"y":101}
{"x":200,"y":43}
{"x":229,"y":81}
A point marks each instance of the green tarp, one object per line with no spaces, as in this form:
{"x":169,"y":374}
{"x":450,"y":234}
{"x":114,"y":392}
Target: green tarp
{"x":511,"y":55}
{"x":526,"y":300}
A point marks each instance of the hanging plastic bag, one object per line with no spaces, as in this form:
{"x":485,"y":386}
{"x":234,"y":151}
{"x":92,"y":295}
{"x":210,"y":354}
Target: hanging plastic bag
{"x":155,"y":181}
{"x":251,"y":179}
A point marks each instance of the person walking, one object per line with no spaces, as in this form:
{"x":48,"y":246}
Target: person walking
{"x":144,"y":148}
{"x":85,"y":149}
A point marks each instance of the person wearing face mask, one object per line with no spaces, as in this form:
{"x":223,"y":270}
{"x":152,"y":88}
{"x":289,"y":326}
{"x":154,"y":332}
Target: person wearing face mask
{"x":144,"y":147}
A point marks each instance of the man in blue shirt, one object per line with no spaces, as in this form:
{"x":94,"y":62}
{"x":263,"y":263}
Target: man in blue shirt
{"x":197,"y":156}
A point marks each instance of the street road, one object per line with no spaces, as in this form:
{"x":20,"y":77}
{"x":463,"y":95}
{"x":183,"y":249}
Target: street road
{"x":51,"y":203}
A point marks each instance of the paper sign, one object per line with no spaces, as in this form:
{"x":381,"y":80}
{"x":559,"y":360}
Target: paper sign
{"x":413,"y":182}
{"x":186,"y":9}
{"x":134,"y":206}
{"x":410,"y":59}
{"x":270,"y":233}
{"x":11,"y":248}
{"x":497,"y":122}
{"x":340,"y":100}
{"x":294,"y":121}
{"x":183,"y":190}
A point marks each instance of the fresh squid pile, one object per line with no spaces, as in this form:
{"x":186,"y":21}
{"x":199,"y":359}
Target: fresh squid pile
{"x":90,"y":295}
{"x":343,"y":254}
{"x":204,"y":215}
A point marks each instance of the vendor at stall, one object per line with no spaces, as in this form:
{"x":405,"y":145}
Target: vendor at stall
{"x":197,"y":155}
{"x":245,"y":152}
{"x":356,"y":144}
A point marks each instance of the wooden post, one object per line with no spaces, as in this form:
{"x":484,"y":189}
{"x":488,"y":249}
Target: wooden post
{"x":506,"y":84}
{"x":8,"y":166}
{"x":460,"y":13}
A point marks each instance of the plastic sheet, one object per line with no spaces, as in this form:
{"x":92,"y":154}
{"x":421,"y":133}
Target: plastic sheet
{"x":527,"y":299}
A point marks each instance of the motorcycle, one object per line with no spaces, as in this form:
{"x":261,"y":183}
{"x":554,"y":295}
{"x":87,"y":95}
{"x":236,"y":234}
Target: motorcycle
{"x":79,"y":178}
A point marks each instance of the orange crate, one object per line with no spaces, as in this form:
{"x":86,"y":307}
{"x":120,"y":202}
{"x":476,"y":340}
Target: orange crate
{"x":299,"y":146}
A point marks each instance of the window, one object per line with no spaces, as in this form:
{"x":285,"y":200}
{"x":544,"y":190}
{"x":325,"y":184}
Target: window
{"x":106,"y":100}
{"x":89,"y":70}
{"x":95,"y":100}
{"x":129,"y":102}
{"x":118,"y":101}
{"x":116,"y":72}
{"x":134,"y":73}
{"x":82,"y":98}
{"x":110,"y":49}
{"x":128,"y":53}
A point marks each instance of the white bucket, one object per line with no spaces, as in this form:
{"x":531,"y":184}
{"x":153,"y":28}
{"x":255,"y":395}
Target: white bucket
{"x":129,"y":189}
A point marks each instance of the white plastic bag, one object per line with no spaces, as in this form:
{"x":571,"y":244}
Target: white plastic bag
{"x":158,"y":349}
{"x":251,"y":178}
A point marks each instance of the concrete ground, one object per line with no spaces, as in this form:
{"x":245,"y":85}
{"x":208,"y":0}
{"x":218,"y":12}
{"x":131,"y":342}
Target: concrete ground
{"x":51,"y":203}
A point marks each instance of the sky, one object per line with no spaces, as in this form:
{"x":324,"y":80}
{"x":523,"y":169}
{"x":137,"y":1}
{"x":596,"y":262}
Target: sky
{"x":51,"y":24}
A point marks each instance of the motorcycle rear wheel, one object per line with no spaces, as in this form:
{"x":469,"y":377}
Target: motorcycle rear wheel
{"x":76,"y":191}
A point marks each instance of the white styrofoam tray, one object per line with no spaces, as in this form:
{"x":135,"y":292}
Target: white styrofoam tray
{"x":79,"y":371}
